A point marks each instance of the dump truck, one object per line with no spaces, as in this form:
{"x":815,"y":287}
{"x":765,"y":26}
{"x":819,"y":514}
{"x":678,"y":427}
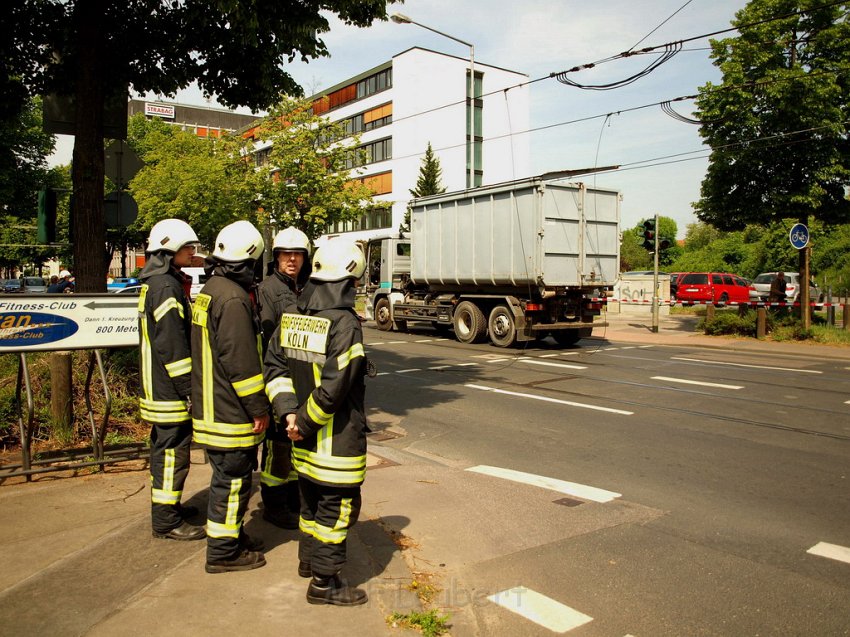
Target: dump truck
{"x":511,"y":262}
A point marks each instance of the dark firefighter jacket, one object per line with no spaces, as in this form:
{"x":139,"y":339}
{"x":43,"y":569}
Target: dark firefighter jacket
{"x":227,"y":378}
{"x":164,"y":326}
{"x":278,"y":294}
{"x":314,"y":368}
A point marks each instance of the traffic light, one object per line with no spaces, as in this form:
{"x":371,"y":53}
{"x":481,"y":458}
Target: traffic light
{"x":46,"y":216}
{"x":649,"y":235}
{"x":663,"y":244}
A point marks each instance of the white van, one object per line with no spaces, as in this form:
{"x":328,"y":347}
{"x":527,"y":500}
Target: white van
{"x":199,"y":277}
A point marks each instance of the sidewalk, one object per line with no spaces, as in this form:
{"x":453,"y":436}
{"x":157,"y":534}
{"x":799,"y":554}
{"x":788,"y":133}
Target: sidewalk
{"x":681,"y":330}
{"x":79,"y":559}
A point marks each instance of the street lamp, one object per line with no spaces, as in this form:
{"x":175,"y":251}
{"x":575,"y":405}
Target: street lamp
{"x":400,"y":18}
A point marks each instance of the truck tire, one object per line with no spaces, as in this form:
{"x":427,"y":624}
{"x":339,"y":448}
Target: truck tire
{"x":382,"y":314}
{"x":565,"y":338}
{"x":502,"y":327}
{"x":469,"y":322}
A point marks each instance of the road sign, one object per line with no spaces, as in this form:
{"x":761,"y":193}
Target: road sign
{"x":47,"y":322}
{"x":121,"y":163}
{"x":799,"y":236}
{"x":120,"y":209}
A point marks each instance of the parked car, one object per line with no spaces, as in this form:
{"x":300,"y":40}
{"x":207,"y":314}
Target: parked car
{"x":130,"y":289}
{"x":760,"y":288}
{"x":120,"y":282}
{"x":34,"y":285}
{"x":12,"y":286}
{"x":674,"y":283}
{"x":719,"y":288}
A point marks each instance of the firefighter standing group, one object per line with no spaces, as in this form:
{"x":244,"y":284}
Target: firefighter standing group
{"x":211,"y":372}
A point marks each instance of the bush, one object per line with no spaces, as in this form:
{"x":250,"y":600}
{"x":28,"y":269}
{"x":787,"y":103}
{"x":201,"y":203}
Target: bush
{"x":731,"y":322}
{"x":122,"y":376}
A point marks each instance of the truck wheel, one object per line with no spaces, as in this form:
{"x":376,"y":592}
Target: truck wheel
{"x":382,"y":314}
{"x":470,"y":326}
{"x":565,"y":338}
{"x":502,"y":327}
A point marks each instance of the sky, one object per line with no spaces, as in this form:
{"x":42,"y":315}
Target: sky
{"x":541,"y":37}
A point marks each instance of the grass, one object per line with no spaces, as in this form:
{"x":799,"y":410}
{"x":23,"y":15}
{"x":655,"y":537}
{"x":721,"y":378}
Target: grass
{"x":431,"y":623}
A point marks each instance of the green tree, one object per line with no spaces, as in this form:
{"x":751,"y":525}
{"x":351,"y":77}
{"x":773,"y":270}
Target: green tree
{"x":24,"y":148}
{"x":777,"y":124}
{"x":428,"y":183}
{"x":633,"y":256}
{"x":306,"y":179}
{"x":205,"y":182}
{"x":92,"y":49}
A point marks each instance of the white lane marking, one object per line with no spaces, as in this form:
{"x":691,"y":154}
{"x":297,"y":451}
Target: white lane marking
{"x":440,"y":367}
{"x":629,"y":347}
{"x":782,"y":369}
{"x":405,"y":371}
{"x":553,"y":484}
{"x":551,"y":400}
{"x":548,"y":355}
{"x":466,"y":364}
{"x":425,"y":340}
{"x":548,"y":364}
{"x":645,"y":346}
{"x":696,"y":382}
{"x":382,"y":374}
{"x":376,"y":343}
{"x":497,"y":360}
{"x":832,"y":551}
{"x":540,"y":609}
{"x":847,"y":402}
{"x":394,"y":342}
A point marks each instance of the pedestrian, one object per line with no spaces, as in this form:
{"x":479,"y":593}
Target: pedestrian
{"x":165,"y":317}
{"x":230,"y":411}
{"x":65,"y":284}
{"x":278,"y":294}
{"x":778,"y":292}
{"x":315,"y":367}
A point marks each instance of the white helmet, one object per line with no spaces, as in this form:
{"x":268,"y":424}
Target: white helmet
{"x":171,"y":235}
{"x":239,"y":241}
{"x":291,"y":239}
{"x":64,"y":273}
{"x":338,"y":259}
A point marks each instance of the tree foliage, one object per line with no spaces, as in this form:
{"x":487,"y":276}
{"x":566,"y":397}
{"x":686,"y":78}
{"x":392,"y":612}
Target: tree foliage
{"x":306,"y":179}
{"x":429,"y":182}
{"x":777,"y":124}
{"x":90,"y":49}
{"x":633,"y":256}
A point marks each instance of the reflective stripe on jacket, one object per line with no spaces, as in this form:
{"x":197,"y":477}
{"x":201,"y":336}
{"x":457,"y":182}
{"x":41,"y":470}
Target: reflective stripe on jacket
{"x":314,"y":369}
{"x":164,"y":359}
{"x":227,"y":379}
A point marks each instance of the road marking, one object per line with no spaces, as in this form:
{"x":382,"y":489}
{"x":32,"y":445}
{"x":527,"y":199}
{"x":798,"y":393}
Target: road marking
{"x":551,"y":400}
{"x":548,"y":364}
{"x":629,"y":347}
{"x":497,"y":360}
{"x":553,"y":484}
{"x":847,"y":402}
{"x":548,"y":355}
{"x":440,"y":367}
{"x":832,"y":551}
{"x":466,"y":364}
{"x":696,"y":382}
{"x":394,"y":342}
{"x":540,"y":609}
{"x":382,"y":374}
{"x":783,"y":369}
{"x":425,"y":340}
{"x":376,"y":343}
{"x":405,"y":371}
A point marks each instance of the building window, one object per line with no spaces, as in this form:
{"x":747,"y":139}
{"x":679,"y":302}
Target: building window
{"x":375,"y":218}
{"x":380,"y":81}
{"x":261,"y":157}
{"x":371,"y":153}
{"x":475,"y":140}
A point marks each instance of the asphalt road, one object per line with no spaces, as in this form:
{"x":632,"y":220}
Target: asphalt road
{"x":701,"y":479}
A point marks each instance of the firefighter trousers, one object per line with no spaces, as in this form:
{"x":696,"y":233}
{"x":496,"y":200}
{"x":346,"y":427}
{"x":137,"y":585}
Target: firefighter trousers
{"x":230,"y":489}
{"x":278,"y":479}
{"x":326,"y":515}
{"x":169,"y":463}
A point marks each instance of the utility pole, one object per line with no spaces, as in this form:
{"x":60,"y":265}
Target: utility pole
{"x":655,"y":298}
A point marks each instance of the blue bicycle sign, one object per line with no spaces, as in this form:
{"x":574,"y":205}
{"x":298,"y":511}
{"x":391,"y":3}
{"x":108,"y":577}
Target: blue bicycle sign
{"x":799,"y":236}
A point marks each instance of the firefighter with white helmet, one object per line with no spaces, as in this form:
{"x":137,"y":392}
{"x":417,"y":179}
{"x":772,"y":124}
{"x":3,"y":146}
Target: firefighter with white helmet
{"x":230,"y":411}
{"x":278,"y":294}
{"x":165,"y":316}
{"x":314,"y":370}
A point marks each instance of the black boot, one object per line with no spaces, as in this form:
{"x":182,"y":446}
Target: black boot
{"x":332,"y":590}
{"x":185,"y":531}
{"x":245,"y":561}
{"x":304,"y":569}
{"x":251,"y":543}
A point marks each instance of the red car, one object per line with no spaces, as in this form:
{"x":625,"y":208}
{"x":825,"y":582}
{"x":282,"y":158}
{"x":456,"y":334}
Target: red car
{"x":719,"y":288}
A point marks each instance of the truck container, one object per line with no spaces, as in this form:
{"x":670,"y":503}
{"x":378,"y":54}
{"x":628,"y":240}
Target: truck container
{"x":516,"y":262}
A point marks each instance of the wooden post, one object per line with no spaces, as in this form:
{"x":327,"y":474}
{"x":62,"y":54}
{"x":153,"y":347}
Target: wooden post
{"x":61,"y":399}
{"x":845,"y":315}
{"x":761,"y":322}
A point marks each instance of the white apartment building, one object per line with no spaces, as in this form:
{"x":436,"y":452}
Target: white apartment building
{"x":421,"y":96}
